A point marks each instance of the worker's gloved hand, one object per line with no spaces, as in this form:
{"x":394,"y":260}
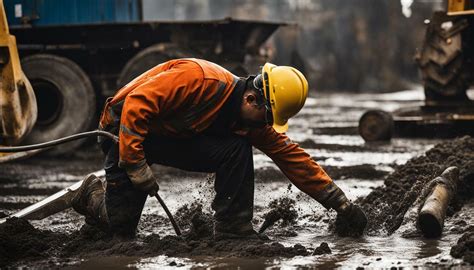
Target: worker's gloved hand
{"x":351,"y":220}
{"x":143,"y":179}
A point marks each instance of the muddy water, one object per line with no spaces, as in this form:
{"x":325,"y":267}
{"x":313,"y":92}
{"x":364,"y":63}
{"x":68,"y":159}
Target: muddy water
{"x":327,"y":128}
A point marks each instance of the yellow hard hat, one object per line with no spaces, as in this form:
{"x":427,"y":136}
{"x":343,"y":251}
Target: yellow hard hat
{"x":286,"y":89}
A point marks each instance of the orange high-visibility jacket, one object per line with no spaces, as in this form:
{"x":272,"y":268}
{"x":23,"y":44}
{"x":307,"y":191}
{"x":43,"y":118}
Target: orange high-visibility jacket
{"x":181,"y":98}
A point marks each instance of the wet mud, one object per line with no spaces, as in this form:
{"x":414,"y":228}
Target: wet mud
{"x":322,"y":249}
{"x":19,"y":240}
{"x":282,"y":209}
{"x":362,"y":171}
{"x":387,"y":206}
{"x":464,"y":248}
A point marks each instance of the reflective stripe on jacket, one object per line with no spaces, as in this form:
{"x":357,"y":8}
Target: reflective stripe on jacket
{"x":181,"y":98}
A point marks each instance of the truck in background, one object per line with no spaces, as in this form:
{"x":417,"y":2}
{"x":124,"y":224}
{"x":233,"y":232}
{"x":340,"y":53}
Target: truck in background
{"x":77,"y":52}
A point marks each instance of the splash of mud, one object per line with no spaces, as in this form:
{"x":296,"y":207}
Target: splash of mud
{"x":281,"y":209}
{"x":386,"y":206}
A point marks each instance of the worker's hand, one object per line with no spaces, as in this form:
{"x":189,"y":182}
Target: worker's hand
{"x":353,"y":219}
{"x":143,"y":179}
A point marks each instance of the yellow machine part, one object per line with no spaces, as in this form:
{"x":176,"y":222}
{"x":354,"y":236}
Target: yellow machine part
{"x":18,"y":109}
{"x":460,"y":7}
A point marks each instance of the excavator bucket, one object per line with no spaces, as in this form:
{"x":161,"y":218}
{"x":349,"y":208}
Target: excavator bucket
{"x":460,"y":7}
{"x":18,"y":109}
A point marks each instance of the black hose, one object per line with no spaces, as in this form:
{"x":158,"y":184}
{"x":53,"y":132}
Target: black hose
{"x":12,"y":149}
{"x":176,"y":228}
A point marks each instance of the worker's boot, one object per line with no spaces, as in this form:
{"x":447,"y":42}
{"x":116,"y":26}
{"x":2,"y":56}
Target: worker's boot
{"x":89,"y":201}
{"x":236,"y":230}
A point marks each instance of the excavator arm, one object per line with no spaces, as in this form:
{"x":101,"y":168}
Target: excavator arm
{"x":18,"y":109}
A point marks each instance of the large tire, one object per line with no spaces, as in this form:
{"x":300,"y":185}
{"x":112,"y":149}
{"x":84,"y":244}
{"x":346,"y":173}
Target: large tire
{"x":441,"y":61}
{"x":150,"y":57}
{"x":65,"y":97}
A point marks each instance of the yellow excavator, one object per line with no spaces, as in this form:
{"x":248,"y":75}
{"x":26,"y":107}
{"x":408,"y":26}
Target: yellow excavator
{"x":446,"y":65}
{"x":18,"y":107}
{"x":18,"y":111}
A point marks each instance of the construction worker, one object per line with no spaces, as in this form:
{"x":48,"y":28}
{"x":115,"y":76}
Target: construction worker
{"x":197,"y":116}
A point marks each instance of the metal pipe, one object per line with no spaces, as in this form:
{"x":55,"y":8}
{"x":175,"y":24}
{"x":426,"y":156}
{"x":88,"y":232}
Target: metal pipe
{"x":433,"y":212}
{"x":170,"y":216}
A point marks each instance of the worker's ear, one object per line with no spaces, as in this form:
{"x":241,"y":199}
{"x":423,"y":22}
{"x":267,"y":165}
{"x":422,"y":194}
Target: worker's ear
{"x":250,"y":98}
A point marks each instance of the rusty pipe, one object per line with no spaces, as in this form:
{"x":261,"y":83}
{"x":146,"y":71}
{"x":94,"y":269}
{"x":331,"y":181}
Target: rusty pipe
{"x":433,"y":212}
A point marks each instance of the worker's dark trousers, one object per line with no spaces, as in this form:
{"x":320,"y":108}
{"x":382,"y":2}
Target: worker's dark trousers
{"x":229,"y":157}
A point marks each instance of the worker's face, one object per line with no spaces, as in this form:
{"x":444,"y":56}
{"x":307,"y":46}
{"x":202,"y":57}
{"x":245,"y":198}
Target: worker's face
{"x":253,"y":114}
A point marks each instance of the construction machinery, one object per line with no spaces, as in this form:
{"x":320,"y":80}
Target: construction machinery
{"x":76,"y":53}
{"x":446,"y":64}
{"x":18,"y":109}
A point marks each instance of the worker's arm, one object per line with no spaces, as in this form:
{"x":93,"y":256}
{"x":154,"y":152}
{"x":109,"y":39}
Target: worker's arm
{"x":299,"y":167}
{"x":159,"y":95}
{"x":307,"y":175}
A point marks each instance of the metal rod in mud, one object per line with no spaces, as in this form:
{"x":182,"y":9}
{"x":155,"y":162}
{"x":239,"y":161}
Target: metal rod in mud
{"x":170,"y":216}
{"x":432,"y":214}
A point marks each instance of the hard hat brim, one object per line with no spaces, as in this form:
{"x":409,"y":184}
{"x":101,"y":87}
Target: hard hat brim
{"x":280,"y":128}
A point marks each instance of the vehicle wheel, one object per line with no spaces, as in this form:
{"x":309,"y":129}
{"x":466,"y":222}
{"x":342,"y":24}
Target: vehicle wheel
{"x":376,"y":125}
{"x":65,"y":97}
{"x":148,"y":58}
{"x":441,"y":60}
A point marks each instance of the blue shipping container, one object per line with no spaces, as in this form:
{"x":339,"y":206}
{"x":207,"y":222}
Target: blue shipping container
{"x":64,"y":12}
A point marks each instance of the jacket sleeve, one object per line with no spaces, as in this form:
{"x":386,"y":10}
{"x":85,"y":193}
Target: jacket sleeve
{"x":292,"y":160}
{"x":160,"y":94}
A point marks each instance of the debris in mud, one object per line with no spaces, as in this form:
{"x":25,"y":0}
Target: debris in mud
{"x":202,"y":226}
{"x":281,"y":209}
{"x":465,"y":248}
{"x":19,"y":240}
{"x":322,"y":249}
{"x":386,"y":206}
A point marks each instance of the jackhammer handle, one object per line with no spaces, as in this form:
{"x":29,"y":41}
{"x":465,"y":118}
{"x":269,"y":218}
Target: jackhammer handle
{"x":173,"y":222}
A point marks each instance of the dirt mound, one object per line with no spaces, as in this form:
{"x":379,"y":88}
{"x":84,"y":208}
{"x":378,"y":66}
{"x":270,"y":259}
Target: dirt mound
{"x":387,"y":205}
{"x":322,"y":249}
{"x":465,"y":248}
{"x":20,"y":240}
{"x":281,"y":209}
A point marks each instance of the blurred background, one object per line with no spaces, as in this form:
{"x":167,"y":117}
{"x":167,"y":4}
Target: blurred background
{"x":363,"y":45}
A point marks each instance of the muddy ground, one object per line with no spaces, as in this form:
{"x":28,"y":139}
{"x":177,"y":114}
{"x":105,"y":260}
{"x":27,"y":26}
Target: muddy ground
{"x":385,"y":179}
